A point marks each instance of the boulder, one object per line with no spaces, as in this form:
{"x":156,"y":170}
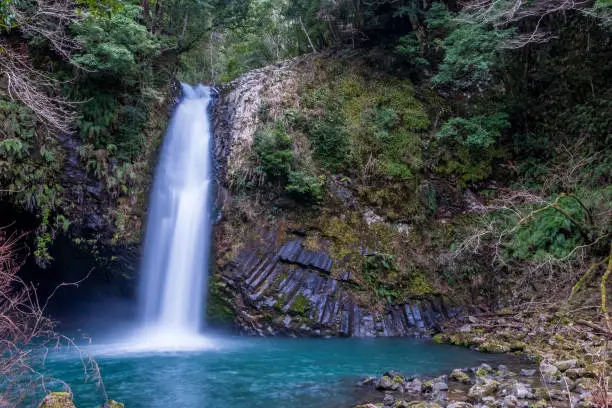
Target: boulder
{"x":566,"y":364}
{"x":490,"y":402}
{"x":440,"y":386}
{"x":423,"y":404}
{"x":575,"y":373}
{"x":57,"y":400}
{"x":484,"y":388}
{"x":458,"y":375}
{"x":388,"y":399}
{"x":517,"y":346}
{"x":522,"y":391}
{"x":494,"y":346}
{"x":528,"y":373}
{"x":547,"y":369}
{"x":384,"y":383}
{"x":413,"y":387}
{"x":509,"y":401}
{"x":113,"y":404}
{"x":459,"y":404}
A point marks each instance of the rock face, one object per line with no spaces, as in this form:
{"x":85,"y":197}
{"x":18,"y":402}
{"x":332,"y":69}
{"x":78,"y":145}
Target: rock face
{"x":289,"y":290}
{"x":288,"y":267}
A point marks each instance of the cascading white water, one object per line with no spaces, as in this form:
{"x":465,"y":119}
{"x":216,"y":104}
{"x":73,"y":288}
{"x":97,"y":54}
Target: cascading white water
{"x":177,"y":243}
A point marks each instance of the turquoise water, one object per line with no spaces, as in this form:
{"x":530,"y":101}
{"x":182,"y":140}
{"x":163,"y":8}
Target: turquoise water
{"x":256,"y":372}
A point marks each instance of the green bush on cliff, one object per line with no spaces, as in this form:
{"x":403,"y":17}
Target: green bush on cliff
{"x":468,"y":146}
{"x":273,"y":151}
{"x":304,"y":187}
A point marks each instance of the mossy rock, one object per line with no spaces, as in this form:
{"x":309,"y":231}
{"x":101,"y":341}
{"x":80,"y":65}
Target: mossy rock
{"x":481,"y":372}
{"x":113,"y":404}
{"x":517,"y":346}
{"x":57,"y":400}
{"x":460,"y":376}
{"x":494,"y":346}
{"x":439,"y":338}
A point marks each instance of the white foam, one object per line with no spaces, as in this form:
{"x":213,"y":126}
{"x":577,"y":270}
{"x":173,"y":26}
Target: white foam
{"x":156,"y":341}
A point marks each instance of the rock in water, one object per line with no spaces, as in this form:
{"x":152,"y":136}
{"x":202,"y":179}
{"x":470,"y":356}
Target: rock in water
{"x":384,"y":383}
{"x":113,"y":404}
{"x":57,"y":400}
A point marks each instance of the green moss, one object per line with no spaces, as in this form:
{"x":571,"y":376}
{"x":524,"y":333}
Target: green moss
{"x":517,"y":346}
{"x":219,"y":305}
{"x":494,"y":346}
{"x":343,"y":236}
{"x":418,"y":285}
{"x":57,"y":400}
{"x":439,"y":338}
{"x":300,"y":305}
{"x":481,"y":372}
{"x":113,"y":404}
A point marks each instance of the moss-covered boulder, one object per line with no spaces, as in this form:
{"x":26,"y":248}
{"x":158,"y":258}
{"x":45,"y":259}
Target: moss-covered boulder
{"x":494,"y":346}
{"x":113,"y":404}
{"x":484,"y":388}
{"x":460,"y":376}
{"x":57,"y":400}
{"x":384,"y":383}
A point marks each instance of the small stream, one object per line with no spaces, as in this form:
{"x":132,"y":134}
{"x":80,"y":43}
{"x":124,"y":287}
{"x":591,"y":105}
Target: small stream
{"x":256,"y":372}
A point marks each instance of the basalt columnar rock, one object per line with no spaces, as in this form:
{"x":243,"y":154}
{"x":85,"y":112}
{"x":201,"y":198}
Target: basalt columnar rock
{"x":288,"y":290}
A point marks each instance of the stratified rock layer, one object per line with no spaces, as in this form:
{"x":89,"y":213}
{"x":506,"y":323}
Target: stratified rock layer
{"x":290,"y":290}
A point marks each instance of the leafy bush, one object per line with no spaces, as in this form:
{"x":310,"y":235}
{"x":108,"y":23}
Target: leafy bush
{"x":272,"y":147}
{"x":304,"y":187}
{"x":478,"y":132}
{"x":469,"y":146}
{"x":114,"y":43}
{"x":326,"y":129}
{"x":472,"y":53}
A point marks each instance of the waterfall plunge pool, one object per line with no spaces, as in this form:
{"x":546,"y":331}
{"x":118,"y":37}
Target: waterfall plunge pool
{"x":256,"y":372}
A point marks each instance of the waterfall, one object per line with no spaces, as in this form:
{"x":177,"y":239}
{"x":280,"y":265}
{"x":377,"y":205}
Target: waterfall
{"x":174,"y":267}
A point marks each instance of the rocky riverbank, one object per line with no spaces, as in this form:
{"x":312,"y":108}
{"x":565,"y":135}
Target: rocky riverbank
{"x":552,"y":384}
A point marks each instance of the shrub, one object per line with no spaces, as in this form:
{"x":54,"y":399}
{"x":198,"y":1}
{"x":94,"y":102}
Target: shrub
{"x":469,"y":146}
{"x":472,"y":53}
{"x":479,"y":132}
{"x":304,"y":187}
{"x":272,"y":147}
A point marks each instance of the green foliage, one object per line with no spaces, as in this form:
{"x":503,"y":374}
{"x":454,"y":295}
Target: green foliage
{"x":376,"y":269}
{"x":115,"y":43}
{"x":469,"y":146}
{"x":410,"y":46}
{"x":273,"y":149}
{"x":327,"y":131}
{"x":304,"y":187}
{"x":300,"y":306}
{"x":478,"y":132}
{"x":7,"y":19}
{"x":358,"y":120}
{"x":471,"y":54}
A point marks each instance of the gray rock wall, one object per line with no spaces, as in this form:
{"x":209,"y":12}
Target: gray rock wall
{"x":289,"y":290}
